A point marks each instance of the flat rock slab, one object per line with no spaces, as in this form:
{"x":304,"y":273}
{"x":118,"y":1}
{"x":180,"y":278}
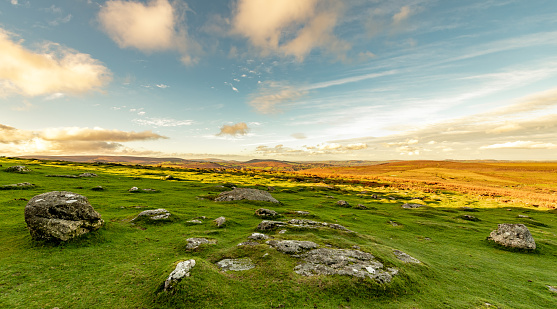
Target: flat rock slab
{"x":182,"y":270}
{"x":405,"y":257}
{"x":18,"y":186}
{"x":194,"y":243}
{"x":411,"y":205}
{"x":513,"y":236}
{"x":292,"y":246}
{"x":324,"y":261}
{"x":246,"y":194}
{"x":60,"y":215}
{"x":236,"y":264}
{"x":155,"y":214}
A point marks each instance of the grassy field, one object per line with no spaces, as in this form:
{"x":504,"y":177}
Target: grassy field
{"x":123,"y":265}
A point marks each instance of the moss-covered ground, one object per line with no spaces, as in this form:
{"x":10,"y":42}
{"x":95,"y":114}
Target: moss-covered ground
{"x":123,"y":265}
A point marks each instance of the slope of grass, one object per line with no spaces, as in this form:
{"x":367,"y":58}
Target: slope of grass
{"x":123,"y":265}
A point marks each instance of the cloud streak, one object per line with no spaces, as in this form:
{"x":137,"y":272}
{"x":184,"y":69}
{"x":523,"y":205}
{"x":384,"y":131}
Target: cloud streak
{"x":55,"y":69}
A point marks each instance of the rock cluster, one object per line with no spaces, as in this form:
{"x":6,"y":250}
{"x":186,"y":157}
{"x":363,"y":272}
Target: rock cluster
{"x":246,"y":194}
{"x":60,"y":215}
{"x":513,"y":236}
{"x":17,"y":169}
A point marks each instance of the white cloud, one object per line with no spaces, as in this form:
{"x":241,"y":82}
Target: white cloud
{"x":163,"y":122}
{"x":163,"y":86}
{"x":521,"y":145}
{"x":53,"y":70}
{"x":14,"y":2}
{"x":240,"y":128}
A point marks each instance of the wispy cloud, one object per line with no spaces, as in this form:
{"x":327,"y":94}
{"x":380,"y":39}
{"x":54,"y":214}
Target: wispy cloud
{"x":55,"y":69}
{"x":271,"y":95}
{"x":240,"y":128}
{"x":163,"y":122}
{"x":521,"y":145}
{"x":320,"y":149}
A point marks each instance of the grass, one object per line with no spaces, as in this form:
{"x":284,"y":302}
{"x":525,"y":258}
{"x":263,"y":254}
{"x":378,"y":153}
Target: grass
{"x":123,"y":265}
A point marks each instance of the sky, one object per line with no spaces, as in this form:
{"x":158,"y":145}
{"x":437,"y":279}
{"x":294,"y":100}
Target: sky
{"x":280,"y":79}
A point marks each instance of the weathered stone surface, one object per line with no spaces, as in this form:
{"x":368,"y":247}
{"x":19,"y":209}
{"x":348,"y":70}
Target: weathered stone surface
{"x":405,"y":257}
{"x":302,"y":212}
{"x":524,"y":216}
{"x":133,"y":189}
{"x":266,"y":225}
{"x":195,"y":221}
{"x":182,"y":270}
{"x":361,"y":206}
{"x":292,"y":246}
{"x":324,"y":261}
{"x":16,"y":186}
{"x":155,"y":214}
{"x":63,"y":176}
{"x":195,"y":242}
{"x":469,"y":218}
{"x":235,"y":264}
{"x":220,"y":221}
{"x":411,"y":205}
{"x":552,"y":288}
{"x":246,"y":194}
{"x":60,"y":215}
{"x":266,"y":213}
{"x":88,"y":175}
{"x":513,"y":236}
{"x":258,"y":236}
{"x":249,"y":243}
{"x":343,"y":203}
{"x":17,"y":169}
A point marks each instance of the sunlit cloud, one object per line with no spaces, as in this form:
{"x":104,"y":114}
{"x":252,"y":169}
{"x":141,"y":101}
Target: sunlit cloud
{"x":155,"y":26}
{"x":265,"y":25}
{"x":320,"y":149}
{"x":163,"y":122}
{"x":240,"y":128}
{"x":54,"y":69}
{"x":521,"y":145}
{"x":271,"y":95}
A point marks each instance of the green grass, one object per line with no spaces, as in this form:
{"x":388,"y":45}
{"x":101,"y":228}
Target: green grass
{"x":123,"y":265}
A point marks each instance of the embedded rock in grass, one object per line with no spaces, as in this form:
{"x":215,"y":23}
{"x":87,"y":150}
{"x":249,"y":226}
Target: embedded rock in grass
{"x":302,"y":212}
{"x":63,"y":176}
{"x":269,"y":225}
{"x":155,"y":214}
{"x":18,"y":186}
{"x":133,"y":189}
{"x":182,"y":270}
{"x":343,"y":203}
{"x":405,"y":257}
{"x":552,"y":288}
{"x":248,"y":243}
{"x":513,"y":236}
{"x":266,"y":213}
{"x":246,"y":194}
{"x":469,"y":218}
{"x":195,"y":221}
{"x":236,"y":264}
{"x":361,"y":206}
{"x":291,"y":246}
{"x":524,"y":216}
{"x":411,"y":205}
{"x":302,"y":223}
{"x":345,"y":262}
{"x":88,"y":175}
{"x":258,"y":236}
{"x":17,"y":169}
{"x":220,"y":221}
{"x":60,"y":215}
{"x":194,"y":243}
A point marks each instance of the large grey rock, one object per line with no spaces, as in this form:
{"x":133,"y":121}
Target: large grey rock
{"x":405,"y":257}
{"x":246,"y":194}
{"x":17,"y":169}
{"x":266,"y":213}
{"x":182,"y":270}
{"x":60,"y":215}
{"x":195,"y":242}
{"x":154,"y":215}
{"x":235,"y":264}
{"x":513,"y":236}
{"x":324,"y":261}
{"x":292,"y":246}
{"x":16,"y":186}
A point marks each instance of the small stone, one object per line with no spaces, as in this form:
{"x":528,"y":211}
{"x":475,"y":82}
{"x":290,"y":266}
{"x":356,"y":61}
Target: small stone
{"x":361,"y":206}
{"x":302,"y":213}
{"x":236,"y":264}
{"x":155,"y":214}
{"x":266,"y":213}
{"x":195,"y":221}
{"x":258,"y":236}
{"x":513,"y":236}
{"x":220,"y":221}
{"x":343,"y":203}
{"x":552,"y":288}
{"x":411,"y":206}
{"x":470,"y":218}
{"x":195,"y":242}
{"x":523,"y":216}
{"x":182,"y":270}
{"x":249,"y":243}
{"x":374,"y":196}
{"x":88,"y":175}
{"x":356,"y":247}
{"x":282,"y":231}
{"x":405,"y":257}
{"x":133,"y":189}
{"x":394,"y":223}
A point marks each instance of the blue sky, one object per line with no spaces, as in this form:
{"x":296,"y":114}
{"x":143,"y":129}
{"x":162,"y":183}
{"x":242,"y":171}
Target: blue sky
{"x":280,"y":79}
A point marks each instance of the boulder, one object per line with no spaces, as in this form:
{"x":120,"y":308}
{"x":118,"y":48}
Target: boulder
{"x":154,"y":215}
{"x":60,"y":215}
{"x":291,"y":246}
{"x":17,"y":169}
{"x":246,"y":194}
{"x":18,"y":186}
{"x":343,"y":203}
{"x":220,"y":221}
{"x":411,"y":205}
{"x":513,"y":236}
{"x":235,"y":264}
{"x":194,"y":243}
{"x":266,"y":225}
{"x":325,"y":261}
{"x":266,"y":213}
{"x":405,"y":257}
{"x":182,"y":270}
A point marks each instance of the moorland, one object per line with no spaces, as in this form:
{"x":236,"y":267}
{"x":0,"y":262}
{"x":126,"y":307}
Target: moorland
{"x":125,"y":263}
